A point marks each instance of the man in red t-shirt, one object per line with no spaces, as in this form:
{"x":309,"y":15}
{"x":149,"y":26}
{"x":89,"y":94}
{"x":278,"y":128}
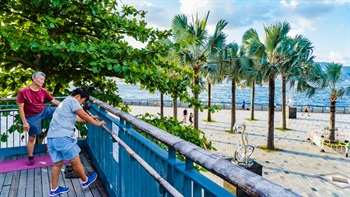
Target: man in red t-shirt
{"x":32,"y":110}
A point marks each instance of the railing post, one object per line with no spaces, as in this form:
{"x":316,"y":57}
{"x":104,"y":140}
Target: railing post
{"x":189,"y":164}
{"x":172,"y":161}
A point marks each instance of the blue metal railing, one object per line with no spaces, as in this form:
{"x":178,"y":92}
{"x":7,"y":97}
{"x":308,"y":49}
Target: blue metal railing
{"x":126,"y":177}
{"x":123,"y":175}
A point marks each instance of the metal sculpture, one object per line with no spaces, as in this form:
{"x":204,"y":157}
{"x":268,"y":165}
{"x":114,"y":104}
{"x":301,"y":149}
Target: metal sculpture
{"x":244,"y":151}
{"x":237,"y":128}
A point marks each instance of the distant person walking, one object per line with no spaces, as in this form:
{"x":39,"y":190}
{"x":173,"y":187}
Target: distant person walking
{"x":243,"y":104}
{"x":191,"y":118}
{"x":185,"y":115}
{"x":306,"y":110}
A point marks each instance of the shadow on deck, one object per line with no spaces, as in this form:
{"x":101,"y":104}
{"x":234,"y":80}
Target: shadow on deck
{"x":37,"y":182}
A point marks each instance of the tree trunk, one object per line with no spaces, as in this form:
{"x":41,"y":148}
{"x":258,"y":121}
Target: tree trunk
{"x":195,"y":94}
{"x":209,"y":103}
{"x":332,"y":121}
{"x":271,"y":114}
{"x":161,"y":105}
{"x":284,"y":120}
{"x":175,"y":108}
{"x":233,"y":103}
{"x":252,"y":101}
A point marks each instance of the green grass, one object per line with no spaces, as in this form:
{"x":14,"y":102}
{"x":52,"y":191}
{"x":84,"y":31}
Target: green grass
{"x":209,"y":121}
{"x":229,"y":131}
{"x":269,"y":150}
{"x":286,"y":129}
{"x":251,"y":119}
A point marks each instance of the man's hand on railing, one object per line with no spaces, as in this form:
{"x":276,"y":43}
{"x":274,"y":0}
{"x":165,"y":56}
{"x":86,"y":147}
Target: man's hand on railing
{"x":95,"y":117}
{"x":101,"y":123}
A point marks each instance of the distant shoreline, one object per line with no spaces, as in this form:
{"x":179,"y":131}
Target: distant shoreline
{"x":257,"y":106}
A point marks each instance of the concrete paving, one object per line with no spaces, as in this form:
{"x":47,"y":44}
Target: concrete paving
{"x":299,"y":165}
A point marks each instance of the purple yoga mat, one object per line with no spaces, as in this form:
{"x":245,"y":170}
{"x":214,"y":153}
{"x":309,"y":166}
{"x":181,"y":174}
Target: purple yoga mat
{"x":20,"y":164}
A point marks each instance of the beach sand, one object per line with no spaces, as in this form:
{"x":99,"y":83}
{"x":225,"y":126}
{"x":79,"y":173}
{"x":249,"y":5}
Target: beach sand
{"x":299,"y":165}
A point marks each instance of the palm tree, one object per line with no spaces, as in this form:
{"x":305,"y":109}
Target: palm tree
{"x":294,"y":54}
{"x":195,"y":47}
{"x":211,"y":75}
{"x":329,"y":78}
{"x":252,"y":76}
{"x":270,"y":58}
{"x":231,"y":64}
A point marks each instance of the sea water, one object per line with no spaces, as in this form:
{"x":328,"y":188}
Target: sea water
{"x":221,"y":93}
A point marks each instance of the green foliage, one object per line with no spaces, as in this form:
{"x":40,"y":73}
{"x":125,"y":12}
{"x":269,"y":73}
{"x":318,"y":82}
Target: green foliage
{"x":4,"y":137}
{"x":175,"y":127}
{"x":78,"y":42}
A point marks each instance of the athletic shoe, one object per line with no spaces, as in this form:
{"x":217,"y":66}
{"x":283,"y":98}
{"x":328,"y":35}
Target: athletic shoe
{"x":90,"y":179}
{"x":59,"y":190}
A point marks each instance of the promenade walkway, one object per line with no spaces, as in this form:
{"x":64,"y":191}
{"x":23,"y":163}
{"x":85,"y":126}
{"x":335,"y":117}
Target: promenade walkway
{"x":299,"y":165}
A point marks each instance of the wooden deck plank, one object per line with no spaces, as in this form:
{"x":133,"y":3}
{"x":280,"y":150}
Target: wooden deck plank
{"x":100,"y":188}
{"x":22,"y":183}
{"x":45,"y":180}
{"x":2,"y":176}
{"x":38,"y":191}
{"x":30,"y":183}
{"x":37,"y":182}
{"x":15,"y":180}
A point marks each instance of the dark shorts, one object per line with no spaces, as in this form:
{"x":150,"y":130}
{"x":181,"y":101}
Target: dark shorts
{"x":35,"y":121}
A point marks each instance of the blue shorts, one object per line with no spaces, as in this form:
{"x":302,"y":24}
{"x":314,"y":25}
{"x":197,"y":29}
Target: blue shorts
{"x":35,"y":121}
{"x":61,"y":148}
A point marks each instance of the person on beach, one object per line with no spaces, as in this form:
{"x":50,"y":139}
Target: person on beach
{"x":306,"y":110}
{"x":32,"y":110}
{"x":61,"y":140}
{"x":185,"y":115}
{"x":191,"y":118}
{"x":243,"y":104}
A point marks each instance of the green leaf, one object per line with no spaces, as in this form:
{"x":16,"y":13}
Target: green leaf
{"x":4,"y":137}
{"x":16,"y":46}
{"x":116,"y":68}
{"x":95,"y":69}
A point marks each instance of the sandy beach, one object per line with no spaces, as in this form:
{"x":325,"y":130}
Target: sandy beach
{"x":299,"y":165}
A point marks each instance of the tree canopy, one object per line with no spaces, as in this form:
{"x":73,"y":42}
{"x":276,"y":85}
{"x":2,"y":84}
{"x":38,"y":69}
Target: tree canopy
{"x":81,"y":42}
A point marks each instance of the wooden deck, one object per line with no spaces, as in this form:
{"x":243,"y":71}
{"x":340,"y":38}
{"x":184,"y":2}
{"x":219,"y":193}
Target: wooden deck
{"x":37,"y":182}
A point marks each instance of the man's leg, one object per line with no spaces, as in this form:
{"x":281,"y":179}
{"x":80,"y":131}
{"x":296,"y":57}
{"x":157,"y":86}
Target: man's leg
{"x":55,"y":173}
{"x":30,"y":149}
{"x":30,"y":145}
{"x":78,"y":168}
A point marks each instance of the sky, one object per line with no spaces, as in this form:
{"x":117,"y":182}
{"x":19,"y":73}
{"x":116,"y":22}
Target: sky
{"x":326,"y":23}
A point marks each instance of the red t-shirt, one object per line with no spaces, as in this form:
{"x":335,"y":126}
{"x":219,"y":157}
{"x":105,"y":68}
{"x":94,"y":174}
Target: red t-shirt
{"x":34,"y":101}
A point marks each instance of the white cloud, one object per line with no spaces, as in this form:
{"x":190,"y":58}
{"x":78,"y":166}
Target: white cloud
{"x":295,"y":30}
{"x":193,"y":7}
{"x":336,"y":57}
{"x":292,"y":4}
{"x":336,"y":1}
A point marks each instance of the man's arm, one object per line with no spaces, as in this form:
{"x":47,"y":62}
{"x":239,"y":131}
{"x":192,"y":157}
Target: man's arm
{"x":84,"y":116}
{"x":55,"y":102}
{"x":26,"y":126}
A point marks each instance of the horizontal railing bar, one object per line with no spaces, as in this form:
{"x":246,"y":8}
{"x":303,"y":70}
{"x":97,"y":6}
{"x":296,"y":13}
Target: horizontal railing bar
{"x":167,"y":186}
{"x":249,"y":182}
